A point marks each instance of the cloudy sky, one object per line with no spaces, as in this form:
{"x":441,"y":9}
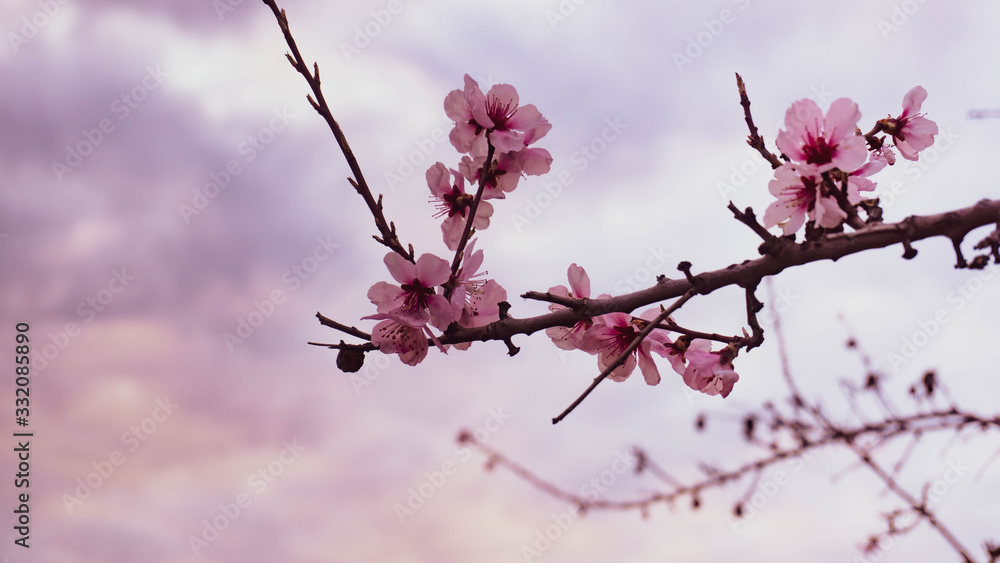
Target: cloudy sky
{"x":174,"y":214}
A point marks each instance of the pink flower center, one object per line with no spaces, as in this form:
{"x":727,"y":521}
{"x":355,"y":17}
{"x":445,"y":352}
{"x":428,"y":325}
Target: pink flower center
{"x":415,"y":300}
{"x":818,"y":151}
{"x":500,"y":113}
{"x":454,"y":203}
{"x":804,"y":195}
{"x":623,"y":336}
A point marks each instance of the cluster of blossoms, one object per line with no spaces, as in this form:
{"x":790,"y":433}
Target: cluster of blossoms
{"x":829,"y":160}
{"x":493,"y":126}
{"x":608,"y":336}
{"x":828,"y":163}
{"x":428,"y":294}
{"x":494,"y":133}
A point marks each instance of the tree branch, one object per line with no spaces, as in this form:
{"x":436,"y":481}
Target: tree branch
{"x":318,"y":101}
{"x":953,"y":225}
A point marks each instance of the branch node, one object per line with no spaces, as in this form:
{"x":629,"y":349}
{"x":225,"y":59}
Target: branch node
{"x":960,"y":263}
{"x":695,"y":281}
{"x":511,"y":349}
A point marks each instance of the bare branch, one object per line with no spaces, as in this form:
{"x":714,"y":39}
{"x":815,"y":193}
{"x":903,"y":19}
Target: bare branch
{"x":755,"y":140}
{"x":318,"y":101}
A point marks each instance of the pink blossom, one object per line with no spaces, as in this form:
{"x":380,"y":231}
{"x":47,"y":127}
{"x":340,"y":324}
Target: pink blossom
{"x":496,"y":186}
{"x":510,"y":167}
{"x":859,"y":182}
{"x":707,"y":371}
{"x":458,"y":105}
{"x":394,"y":337}
{"x":495,"y":115}
{"x":451,"y":200}
{"x":415,"y":302}
{"x":799,"y":189}
{"x":612,"y":333}
{"x":510,"y":128}
{"x":568,"y":338}
{"x":482,"y":305}
{"x":475,"y":301}
{"x":824,"y":142}
{"x":911,"y":131}
{"x":887,"y":154}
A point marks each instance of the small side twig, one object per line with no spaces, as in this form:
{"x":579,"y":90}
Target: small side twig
{"x":650,"y":326}
{"x":353,"y":331}
{"x":755,"y":140}
{"x":754,"y":306}
{"x":473,"y":209}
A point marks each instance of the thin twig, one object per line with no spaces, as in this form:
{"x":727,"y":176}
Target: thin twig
{"x":650,"y":326}
{"x":918,"y":506}
{"x":473,"y":209}
{"x":755,"y":139}
{"x":318,"y":101}
{"x":342,"y":328}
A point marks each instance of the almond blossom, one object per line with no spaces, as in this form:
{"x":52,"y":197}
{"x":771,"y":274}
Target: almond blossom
{"x":800,"y":192}
{"x":458,"y":105}
{"x":859,"y":182}
{"x":911,"y":131}
{"x":475,"y":301}
{"x":415,"y":302}
{"x":495,"y":116}
{"x":710,"y":372}
{"x":394,"y":337}
{"x":448,"y":193}
{"x":612,"y":333}
{"x":510,"y":167}
{"x":568,"y":338}
{"x":825,"y":142}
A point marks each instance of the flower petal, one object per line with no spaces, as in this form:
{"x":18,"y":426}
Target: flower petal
{"x":913,"y":100}
{"x":401,"y":269}
{"x":841,"y":121}
{"x":431,"y":270}
{"x":578,"y":280}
